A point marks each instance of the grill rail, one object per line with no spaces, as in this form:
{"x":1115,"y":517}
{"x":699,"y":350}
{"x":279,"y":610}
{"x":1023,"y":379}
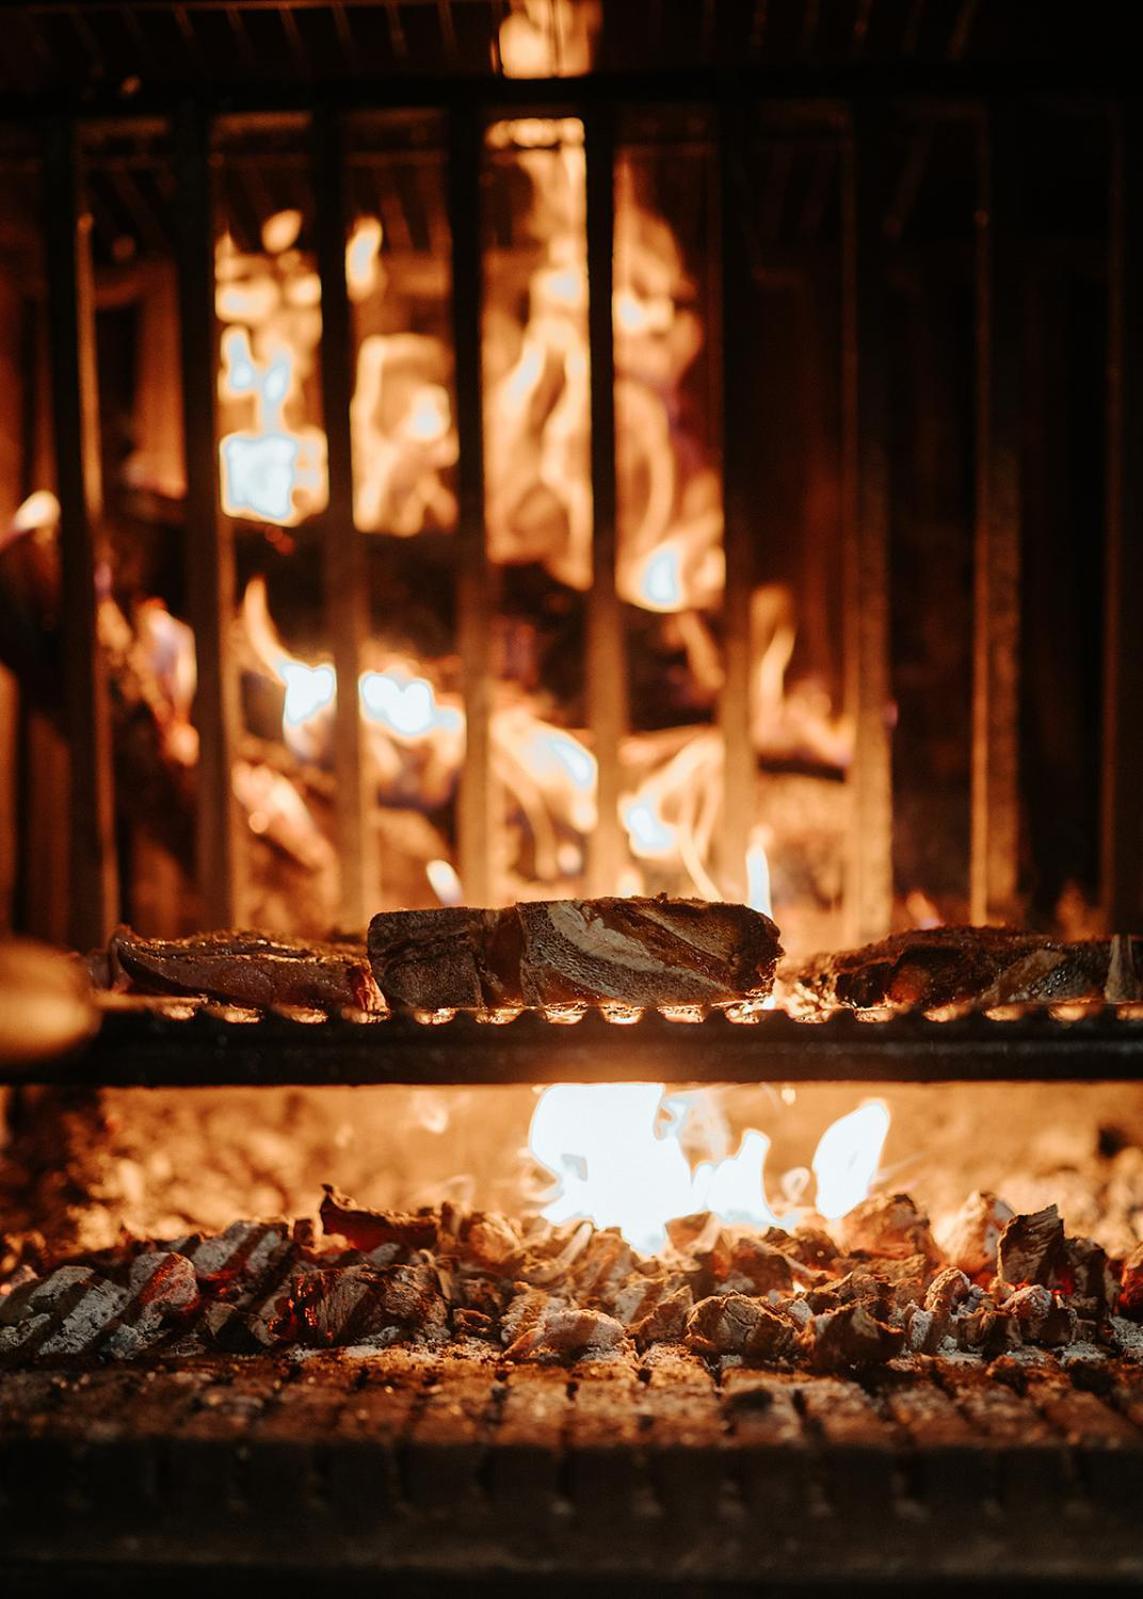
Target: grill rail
{"x":160,"y":1043}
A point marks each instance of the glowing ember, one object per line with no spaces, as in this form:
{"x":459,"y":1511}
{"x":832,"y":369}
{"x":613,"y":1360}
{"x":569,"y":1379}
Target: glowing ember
{"x":616,"y":1151}
{"x":845,"y":1162}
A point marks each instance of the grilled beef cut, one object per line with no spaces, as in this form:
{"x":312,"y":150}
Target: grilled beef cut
{"x":566,"y":952}
{"x":247,"y":969}
{"x":984,"y":966}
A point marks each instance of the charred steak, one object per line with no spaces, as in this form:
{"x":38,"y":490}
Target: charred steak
{"x":984,"y":966}
{"x":244,"y":968}
{"x":565,"y":952}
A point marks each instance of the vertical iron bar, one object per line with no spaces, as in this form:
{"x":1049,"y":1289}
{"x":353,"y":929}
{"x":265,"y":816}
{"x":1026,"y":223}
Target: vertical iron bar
{"x":92,"y":875}
{"x":1121,"y":860}
{"x":865,"y":564}
{"x":209,"y":541}
{"x":476,"y":848}
{"x":740,"y":768}
{"x":606,"y":654}
{"x":346,"y":594}
{"x":996,"y":624}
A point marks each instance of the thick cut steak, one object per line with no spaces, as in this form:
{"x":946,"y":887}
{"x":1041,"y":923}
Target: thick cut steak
{"x":565,"y":952}
{"x":966,"y":965}
{"x":247,"y":969}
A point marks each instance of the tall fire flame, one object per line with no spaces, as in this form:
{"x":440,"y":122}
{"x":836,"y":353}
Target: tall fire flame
{"x":616,"y":1153}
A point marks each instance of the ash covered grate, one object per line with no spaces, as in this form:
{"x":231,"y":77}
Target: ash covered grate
{"x":409,"y":1461}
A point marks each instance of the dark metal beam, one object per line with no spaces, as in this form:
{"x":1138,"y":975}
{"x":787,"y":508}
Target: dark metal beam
{"x":92,"y":873}
{"x":346,"y":593}
{"x":210,"y":548}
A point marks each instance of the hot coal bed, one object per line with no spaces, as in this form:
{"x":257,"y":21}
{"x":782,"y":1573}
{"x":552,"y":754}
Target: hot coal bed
{"x":707,"y":434}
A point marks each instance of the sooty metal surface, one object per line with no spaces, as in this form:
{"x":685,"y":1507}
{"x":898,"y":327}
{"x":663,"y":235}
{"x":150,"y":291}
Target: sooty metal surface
{"x":416,"y":1462}
{"x":182,"y":1043}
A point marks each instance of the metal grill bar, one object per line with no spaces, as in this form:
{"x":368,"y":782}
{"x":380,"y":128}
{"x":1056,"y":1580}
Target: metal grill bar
{"x":466,"y":143}
{"x":740,"y":769}
{"x":346,"y":593}
{"x":606,"y":653}
{"x":1122,"y":810}
{"x":189,"y":1044}
{"x":996,"y":616}
{"x":209,"y":541}
{"x":865,"y":491}
{"x":93,"y":882}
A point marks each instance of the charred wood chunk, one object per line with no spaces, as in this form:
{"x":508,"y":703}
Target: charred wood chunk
{"x":972,"y":1238}
{"x":1031,"y":1248}
{"x":742,"y":1262}
{"x":891,"y":1226}
{"x":1041,"y":1316}
{"x":1130,"y":1286}
{"x":850,"y":1336}
{"x":734,"y":1324}
{"x":565,"y":1332}
{"x":368,"y":1230}
{"x":550,"y":953}
{"x":933,"y":968}
{"x":666,"y":1323}
{"x":243,"y":968}
{"x":1086,"y":1277}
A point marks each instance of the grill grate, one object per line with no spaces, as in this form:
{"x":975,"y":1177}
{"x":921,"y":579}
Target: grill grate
{"x":414,"y":1461}
{"x":188,"y":1043}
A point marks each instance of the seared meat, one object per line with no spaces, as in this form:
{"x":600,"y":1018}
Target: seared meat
{"x":932,"y":968}
{"x":244,"y":968}
{"x":636,"y":952}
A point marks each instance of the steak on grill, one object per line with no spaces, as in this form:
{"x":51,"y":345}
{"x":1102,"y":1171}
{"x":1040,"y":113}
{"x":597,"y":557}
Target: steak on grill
{"x":244,"y":968}
{"x":637,"y":952}
{"x":985,"y":966}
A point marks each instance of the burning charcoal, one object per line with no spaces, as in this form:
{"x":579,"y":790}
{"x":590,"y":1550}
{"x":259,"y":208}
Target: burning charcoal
{"x":810,"y":1246}
{"x":367,"y":1304}
{"x":889,"y":1225}
{"x":248,"y":969}
{"x":1031,"y":1248}
{"x":733,"y":1324}
{"x":666,"y":1323}
{"x":491,"y":1241}
{"x":473,"y":1324}
{"x":558,"y":952}
{"x":524,"y":1313}
{"x":986,"y":1329}
{"x":28,"y":1315}
{"x":236,"y":1258}
{"x":603,"y":1266}
{"x":742,"y":1263}
{"x":370,"y":1229}
{"x":562,"y":1332}
{"x":1040,"y":1316}
{"x":1086,"y":1276}
{"x":840,"y":1339}
{"x":1130,"y":1287}
{"x":163,"y":1290}
{"x":695,"y":1234}
{"x":946,"y":1295}
{"x":972,"y":1238}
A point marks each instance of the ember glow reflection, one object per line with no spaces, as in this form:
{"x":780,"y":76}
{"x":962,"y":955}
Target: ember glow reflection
{"x":616,"y":1152}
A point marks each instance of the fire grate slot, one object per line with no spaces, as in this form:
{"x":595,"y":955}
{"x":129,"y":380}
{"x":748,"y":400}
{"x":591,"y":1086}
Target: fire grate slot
{"x":187,"y":1043}
{"x":409,"y":1461}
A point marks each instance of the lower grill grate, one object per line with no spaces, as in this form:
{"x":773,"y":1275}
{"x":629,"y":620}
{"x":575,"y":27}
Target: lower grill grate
{"x":415,"y":1462}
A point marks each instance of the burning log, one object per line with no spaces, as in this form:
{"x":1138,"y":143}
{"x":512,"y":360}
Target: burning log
{"x":247,"y":969}
{"x":948,"y":966}
{"x":566,"y":952}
